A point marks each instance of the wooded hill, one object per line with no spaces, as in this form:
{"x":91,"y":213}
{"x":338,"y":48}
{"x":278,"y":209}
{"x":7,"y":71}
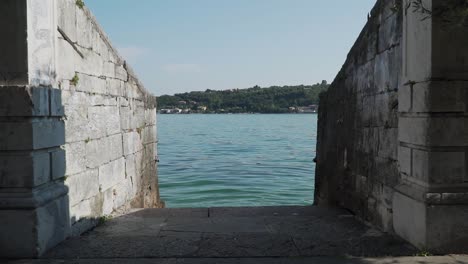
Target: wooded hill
{"x":274,"y":99}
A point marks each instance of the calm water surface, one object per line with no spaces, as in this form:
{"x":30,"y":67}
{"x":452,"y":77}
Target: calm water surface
{"x":236,"y":160}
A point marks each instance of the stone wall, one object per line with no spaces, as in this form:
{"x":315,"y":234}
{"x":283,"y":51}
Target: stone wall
{"x":393,"y":141}
{"x":77,"y":128}
{"x":357,"y":163}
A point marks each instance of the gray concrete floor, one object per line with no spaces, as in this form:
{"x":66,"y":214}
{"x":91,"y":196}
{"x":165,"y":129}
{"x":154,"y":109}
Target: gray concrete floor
{"x":237,"y":235}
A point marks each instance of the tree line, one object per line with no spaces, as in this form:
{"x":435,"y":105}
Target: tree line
{"x":274,"y":99}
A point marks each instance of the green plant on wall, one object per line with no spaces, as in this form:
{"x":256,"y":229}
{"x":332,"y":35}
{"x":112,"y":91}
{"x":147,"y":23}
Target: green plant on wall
{"x":74,"y":81}
{"x":80,"y":3}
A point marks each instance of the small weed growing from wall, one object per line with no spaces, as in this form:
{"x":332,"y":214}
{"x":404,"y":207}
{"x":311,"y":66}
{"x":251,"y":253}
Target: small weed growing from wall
{"x":423,"y":253}
{"x":74,"y":81}
{"x":80,"y":3}
{"x":104,"y":219}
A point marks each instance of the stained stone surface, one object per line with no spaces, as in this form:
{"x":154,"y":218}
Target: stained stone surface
{"x":237,"y":235}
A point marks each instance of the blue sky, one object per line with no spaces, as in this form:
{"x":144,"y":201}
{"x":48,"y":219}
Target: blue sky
{"x":186,"y":45}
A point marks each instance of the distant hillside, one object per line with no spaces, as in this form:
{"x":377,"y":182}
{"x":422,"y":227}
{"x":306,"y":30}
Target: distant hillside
{"x":273,"y":99}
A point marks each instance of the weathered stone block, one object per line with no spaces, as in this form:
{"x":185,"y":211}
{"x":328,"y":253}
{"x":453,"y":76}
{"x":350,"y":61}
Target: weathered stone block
{"x":387,"y":70}
{"x":82,"y":186}
{"x":103,"y":121}
{"x":75,"y":157}
{"x":130,"y":169}
{"x":32,"y":134}
{"x":108,"y":201}
{"x":24,"y":101}
{"x":409,"y":219}
{"x":56,"y":105}
{"x":109,"y":70}
{"x":120,"y":195}
{"x":439,"y":97}
{"x":447,"y":228}
{"x":87,"y":209}
{"x":53,"y":223}
{"x":121,"y":73}
{"x":388,"y":143}
{"x":84,"y":29}
{"x":58,"y":163}
{"x":404,"y":159}
{"x":405,"y":97}
{"x":150,"y":117}
{"x":102,"y":100}
{"x":149,"y":134}
{"x":29,"y":233}
{"x":102,"y":151}
{"x":417,"y":47}
{"x":132,"y":142}
{"x":112,"y":174}
{"x":91,"y":84}
{"x":389,"y":36}
{"x":115,"y":87}
{"x":24,"y":170}
{"x":67,"y":18}
{"x":66,"y":67}
{"x":439,"y":167}
{"x":414,"y":130}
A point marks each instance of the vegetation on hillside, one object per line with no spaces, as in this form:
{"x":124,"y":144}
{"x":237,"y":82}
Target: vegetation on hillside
{"x":273,"y":99}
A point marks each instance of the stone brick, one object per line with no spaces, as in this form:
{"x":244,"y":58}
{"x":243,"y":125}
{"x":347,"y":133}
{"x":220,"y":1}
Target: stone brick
{"x":24,"y":170}
{"x":388,"y":36}
{"x":149,"y":134}
{"x":75,"y":157}
{"x":115,"y":87}
{"x":132,"y":143}
{"x":104,"y":150}
{"x":439,"y":167}
{"x":109,"y":69}
{"x":120,"y":195}
{"x":87,"y":209}
{"x":102,"y":100}
{"x":388,"y":143}
{"x":121,"y":73}
{"x":150,"y":117}
{"x":84,"y":29}
{"x":53,"y":223}
{"x":405,"y":97}
{"x":446,"y":227}
{"x":82,"y":186}
{"x":130,"y":170}
{"x":417,"y":48}
{"x":67,"y":17}
{"x":387,"y":70}
{"x":39,"y":229}
{"x":24,"y":101}
{"x":107,"y":202}
{"x":91,"y":84}
{"x":404,"y":159}
{"x":103,"y":121}
{"x":58,"y":164}
{"x":414,"y":130}
{"x":439,"y":97}
{"x":409,"y":219}
{"x":56,"y":105}
{"x":66,"y":63}
{"x":32,"y":134}
{"x":112,"y":174}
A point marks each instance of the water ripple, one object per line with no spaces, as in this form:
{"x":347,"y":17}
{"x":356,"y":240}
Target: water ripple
{"x":236,"y":160}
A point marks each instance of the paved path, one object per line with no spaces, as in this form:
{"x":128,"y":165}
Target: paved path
{"x":237,"y":235}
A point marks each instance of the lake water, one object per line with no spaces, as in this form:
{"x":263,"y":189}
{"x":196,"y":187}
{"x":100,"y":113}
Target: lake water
{"x":236,"y":160}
